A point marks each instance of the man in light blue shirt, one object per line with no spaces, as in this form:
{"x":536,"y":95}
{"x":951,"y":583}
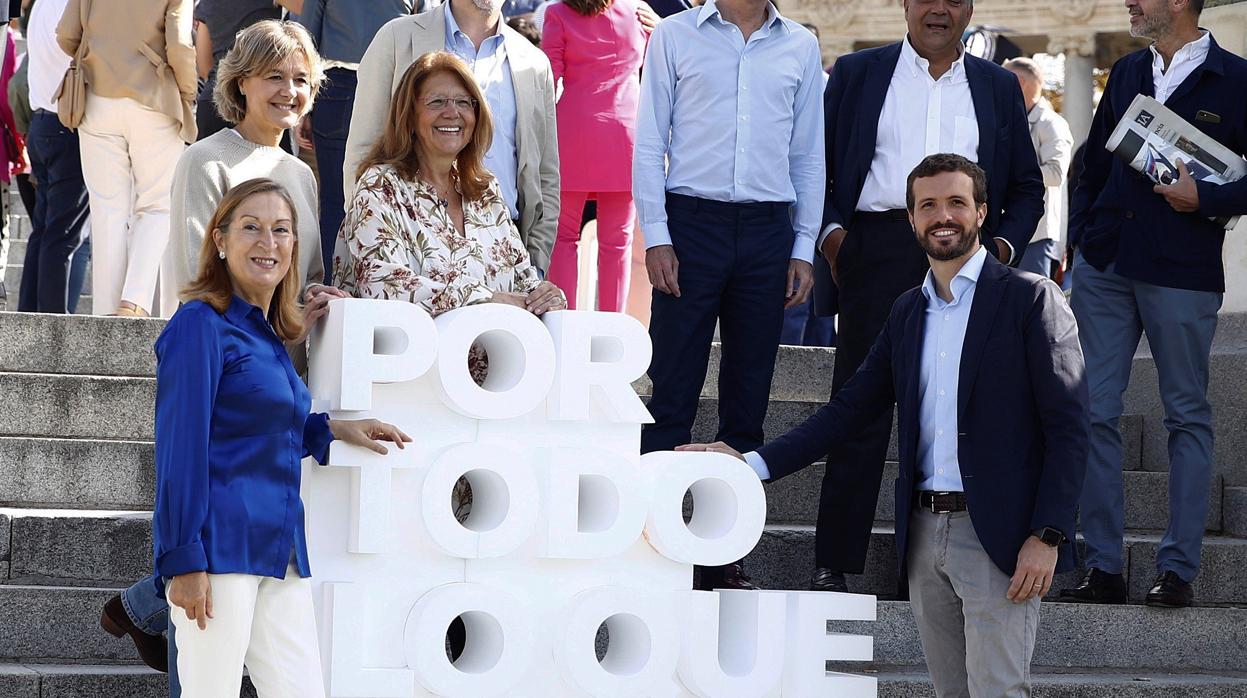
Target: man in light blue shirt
{"x":731,"y":99}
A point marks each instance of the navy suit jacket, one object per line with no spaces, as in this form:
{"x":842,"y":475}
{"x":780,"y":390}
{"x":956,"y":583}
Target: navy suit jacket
{"x":1022,"y":418}
{"x":1115,"y":217}
{"x":853,"y":103}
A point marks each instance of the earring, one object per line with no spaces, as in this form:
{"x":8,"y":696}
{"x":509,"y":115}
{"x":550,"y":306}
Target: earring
{"x":221,"y":254}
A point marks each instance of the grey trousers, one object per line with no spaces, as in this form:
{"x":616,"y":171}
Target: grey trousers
{"x":978,"y":644}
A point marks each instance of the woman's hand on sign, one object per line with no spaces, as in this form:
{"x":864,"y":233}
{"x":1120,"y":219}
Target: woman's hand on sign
{"x":193,"y":592}
{"x":368,"y":433}
{"x":545,"y":297}
{"x":716,"y":447}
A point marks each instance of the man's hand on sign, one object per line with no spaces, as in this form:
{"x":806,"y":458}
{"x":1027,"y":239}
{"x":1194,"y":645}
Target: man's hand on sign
{"x":716,"y":447}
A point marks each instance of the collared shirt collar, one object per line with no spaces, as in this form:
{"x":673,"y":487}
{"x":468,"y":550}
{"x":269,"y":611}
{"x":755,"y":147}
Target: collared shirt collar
{"x":711,"y":8}
{"x":1195,"y":51}
{"x":918,"y":65}
{"x":966,"y":277}
{"x":240,"y":310}
{"x":455,"y":33}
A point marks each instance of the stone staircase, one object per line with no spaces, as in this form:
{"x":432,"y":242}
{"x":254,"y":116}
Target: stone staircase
{"x":76,"y":488}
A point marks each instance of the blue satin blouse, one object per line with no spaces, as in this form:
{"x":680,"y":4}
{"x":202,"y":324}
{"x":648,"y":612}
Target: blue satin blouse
{"x":232,"y":426}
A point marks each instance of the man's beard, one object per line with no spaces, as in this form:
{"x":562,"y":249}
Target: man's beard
{"x":964,"y":242}
{"x":488,"y":6}
{"x":1152,"y":27}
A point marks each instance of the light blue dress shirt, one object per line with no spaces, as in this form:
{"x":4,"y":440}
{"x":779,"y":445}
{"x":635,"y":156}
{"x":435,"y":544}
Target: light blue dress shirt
{"x":492,"y":71}
{"x":944,"y":332}
{"x":737,"y":121}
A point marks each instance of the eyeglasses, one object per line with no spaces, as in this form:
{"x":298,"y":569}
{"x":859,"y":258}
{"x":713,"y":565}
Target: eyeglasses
{"x":462,"y":104}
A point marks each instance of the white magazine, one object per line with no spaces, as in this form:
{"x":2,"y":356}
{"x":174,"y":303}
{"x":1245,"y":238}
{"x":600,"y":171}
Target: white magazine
{"x":1152,"y":139}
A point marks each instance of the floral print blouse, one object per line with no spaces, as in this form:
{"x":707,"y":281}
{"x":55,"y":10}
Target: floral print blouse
{"x":398,"y":242}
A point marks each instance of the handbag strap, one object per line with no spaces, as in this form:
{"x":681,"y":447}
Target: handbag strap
{"x":84,"y":9}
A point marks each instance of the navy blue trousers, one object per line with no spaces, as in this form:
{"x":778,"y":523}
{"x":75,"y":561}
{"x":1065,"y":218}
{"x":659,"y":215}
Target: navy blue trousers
{"x":331,"y":120}
{"x":58,"y":224}
{"x":733,"y":268}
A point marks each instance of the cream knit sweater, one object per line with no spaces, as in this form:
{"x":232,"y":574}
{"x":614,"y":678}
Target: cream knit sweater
{"x":211,"y":167}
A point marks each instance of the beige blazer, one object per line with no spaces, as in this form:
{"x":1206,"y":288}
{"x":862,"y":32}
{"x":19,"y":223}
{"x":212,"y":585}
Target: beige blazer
{"x":397,"y":45}
{"x":139,"y":49}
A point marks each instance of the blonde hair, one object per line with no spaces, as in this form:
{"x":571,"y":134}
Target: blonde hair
{"x":397,"y":145}
{"x":258,"y":48}
{"x":214,"y":285}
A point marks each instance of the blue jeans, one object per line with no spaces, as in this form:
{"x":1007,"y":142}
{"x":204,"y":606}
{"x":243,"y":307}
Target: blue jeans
{"x":58,"y":224}
{"x":1113,"y":312}
{"x":78,"y":273}
{"x":1039,"y":256}
{"x":805,"y":328}
{"x":331,"y":120}
{"x":148,"y":609}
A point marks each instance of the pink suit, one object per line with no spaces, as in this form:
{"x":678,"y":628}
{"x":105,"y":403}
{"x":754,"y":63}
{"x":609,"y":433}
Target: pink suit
{"x":599,"y":60}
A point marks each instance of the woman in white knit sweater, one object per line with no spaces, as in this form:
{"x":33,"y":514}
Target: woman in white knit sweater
{"x":265,"y":84}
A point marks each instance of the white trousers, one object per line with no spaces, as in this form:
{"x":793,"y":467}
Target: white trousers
{"x":264,"y":623}
{"x":128,"y":155}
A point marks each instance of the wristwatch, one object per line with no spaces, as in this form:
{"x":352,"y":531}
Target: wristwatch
{"x":1050,"y":536}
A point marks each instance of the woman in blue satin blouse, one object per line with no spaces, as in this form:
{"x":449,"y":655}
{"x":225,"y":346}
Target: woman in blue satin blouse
{"x":232,"y":427}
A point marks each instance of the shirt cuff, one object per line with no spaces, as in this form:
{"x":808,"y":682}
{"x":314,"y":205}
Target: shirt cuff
{"x":1013,"y":254}
{"x":656,"y":234}
{"x":317,"y":436}
{"x":824,"y":233}
{"x":183,"y":559}
{"x":803,"y":249}
{"x":756,"y":462}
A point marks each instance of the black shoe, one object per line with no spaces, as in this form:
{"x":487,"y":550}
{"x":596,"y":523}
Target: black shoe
{"x":1169,"y":591}
{"x":1097,"y":587}
{"x":724,"y":577}
{"x":827,"y":579}
{"x":153,"y":649}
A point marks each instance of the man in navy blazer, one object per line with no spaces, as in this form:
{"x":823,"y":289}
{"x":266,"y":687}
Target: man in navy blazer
{"x":1149,"y":260}
{"x":984,"y":367}
{"x":885,"y":109}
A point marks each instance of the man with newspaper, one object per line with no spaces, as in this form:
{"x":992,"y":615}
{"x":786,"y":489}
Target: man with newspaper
{"x":1149,"y":260}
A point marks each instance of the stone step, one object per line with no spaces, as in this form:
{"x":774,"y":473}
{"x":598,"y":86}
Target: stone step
{"x":111,"y":681}
{"x":77,"y":473}
{"x":73,"y":344}
{"x":1235,"y":507}
{"x":794,"y":499}
{"x":99,"y":407}
{"x":61,"y":624}
{"x":1047,"y":682}
{"x":85,"y":547}
{"x":784,"y":559}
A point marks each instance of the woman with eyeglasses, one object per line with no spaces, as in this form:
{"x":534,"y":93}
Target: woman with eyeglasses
{"x":427,"y":222}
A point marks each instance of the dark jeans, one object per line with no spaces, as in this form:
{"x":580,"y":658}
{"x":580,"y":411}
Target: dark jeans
{"x":878,"y":261}
{"x":733,"y":266}
{"x":58,"y":223}
{"x":805,"y":328}
{"x":331,"y":120}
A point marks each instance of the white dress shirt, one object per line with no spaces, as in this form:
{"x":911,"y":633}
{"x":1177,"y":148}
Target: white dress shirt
{"x":921,"y":116}
{"x":1184,"y":62}
{"x":48,"y":62}
{"x":1054,"y":147}
{"x":726,"y":119}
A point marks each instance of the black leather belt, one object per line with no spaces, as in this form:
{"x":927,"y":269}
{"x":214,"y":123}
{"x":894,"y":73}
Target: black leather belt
{"x":941,"y":502}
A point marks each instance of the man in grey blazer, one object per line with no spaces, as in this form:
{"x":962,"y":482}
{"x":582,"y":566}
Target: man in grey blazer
{"x":516,"y":79}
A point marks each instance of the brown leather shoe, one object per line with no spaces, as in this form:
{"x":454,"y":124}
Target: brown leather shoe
{"x":153,"y":649}
{"x":726,"y":577}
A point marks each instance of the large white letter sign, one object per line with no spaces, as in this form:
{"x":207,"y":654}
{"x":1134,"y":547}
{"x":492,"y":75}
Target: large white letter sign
{"x":569,"y":530}
{"x":599,"y":355}
{"x":363,"y":342}
{"x":521,"y":361}
{"x":729,"y":507}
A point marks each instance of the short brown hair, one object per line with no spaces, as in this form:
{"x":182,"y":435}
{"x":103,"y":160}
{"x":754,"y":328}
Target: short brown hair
{"x":588,"y":8}
{"x":397,"y":145}
{"x":214,"y":284}
{"x":939,"y":163}
{"x":260,"y":47}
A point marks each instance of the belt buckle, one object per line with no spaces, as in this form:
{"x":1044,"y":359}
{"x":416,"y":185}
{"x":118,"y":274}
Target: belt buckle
{"x":933,"y":507}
